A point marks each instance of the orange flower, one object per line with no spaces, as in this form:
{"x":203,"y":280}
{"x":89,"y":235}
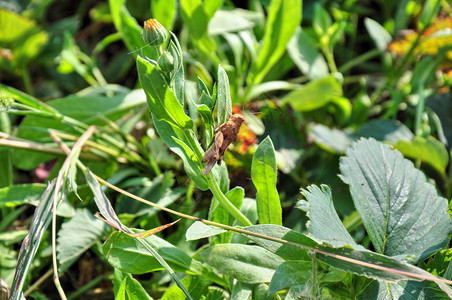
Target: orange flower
{"x":435,"y":37}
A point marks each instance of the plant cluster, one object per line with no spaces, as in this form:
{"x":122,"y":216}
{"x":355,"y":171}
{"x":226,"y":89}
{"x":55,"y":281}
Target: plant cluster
{"x":122,"y":169}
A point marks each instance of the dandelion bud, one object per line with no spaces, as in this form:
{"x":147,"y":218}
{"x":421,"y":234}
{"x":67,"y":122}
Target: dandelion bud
{"x":166,"y":62}
{"x":154,"y":34}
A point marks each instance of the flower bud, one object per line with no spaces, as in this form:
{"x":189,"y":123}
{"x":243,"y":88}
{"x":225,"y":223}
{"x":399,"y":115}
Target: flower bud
{"x":154,"y":34}
{"x":166,"y":62}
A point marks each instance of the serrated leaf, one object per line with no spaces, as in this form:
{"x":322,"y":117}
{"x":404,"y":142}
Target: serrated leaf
{"x":246,"y":263}
{"x":264,"y":176}
{"x":78,"y":235}
{"x":411,"y":290}
{"x":324,"y":224}
{"x":402,"y":212}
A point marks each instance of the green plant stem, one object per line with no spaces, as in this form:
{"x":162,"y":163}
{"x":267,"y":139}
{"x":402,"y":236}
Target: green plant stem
{"x":330,"y":59}
{"x":27,"y":80}
{"x":419,"y":109}
{"x":227,"y":205}
{"x":359,"y":60}
{"x":88,"y":286}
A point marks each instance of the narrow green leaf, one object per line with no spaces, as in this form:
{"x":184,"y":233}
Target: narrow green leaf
{"x":161,"y":99}
{"x":290,"y":273}
{"x":224,"y":104}
{"x":264,"y":176}
{"x":321,"y":20}
{"x":400,"y":209}
{"x":78,"y":235}
{"x":129,"y":255}
{"x":314,"y":95}
{"x":193,"y":169}
{"x":324,"y":224}
{"x":306,"y":56}
{"x":41,"y":219}
{"x":378,"y":34}
{"x":199,"y":230}
{"x":224,"y":21}
{"x":283,"y":18}
{"x":246,"y":263}
{"x":427,"y":150}
{"x":131,"y":288}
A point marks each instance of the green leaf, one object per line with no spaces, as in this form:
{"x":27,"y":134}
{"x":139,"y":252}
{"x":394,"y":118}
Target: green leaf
{"x":20,"y":194}
{"x":378,"y":34}
{"x":401,"y":210}
{"x":402,"y":290}
{"x":324,"y":224}
{"x":286,"y":251}
{"x":386,"y":130}
{"x":224,"y":21}
{"x":192,"y":167}
{"x":41,"y":220}
{"x":199,"y":230}
{"x":332,"y":139}
{"x":283,"y":18}
{"x":265,"y":87}
{"x":290,"y":273}
{"x":128,"y":255}
{"x":84,"y":107}
{"x":78,"y":235}
{"x":427,"y":150}
{"x":23,"y":36}
{"x":314,"y":95}
{"x":161,"y":100}
{"x":264,"y":176}
{"x":246,"y":263}
{"x":131,"y":289}
{"x":241,"y":291}
{"x":196,"y":15}
{"x":306,"y":56}
{"x":164,"y":11}
{"x":224,"y":104}
{"x":321,"y":20}
{"x":197,"y":286}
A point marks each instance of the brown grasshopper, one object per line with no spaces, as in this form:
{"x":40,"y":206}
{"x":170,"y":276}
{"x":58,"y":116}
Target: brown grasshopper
{"x":226,"y":134}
